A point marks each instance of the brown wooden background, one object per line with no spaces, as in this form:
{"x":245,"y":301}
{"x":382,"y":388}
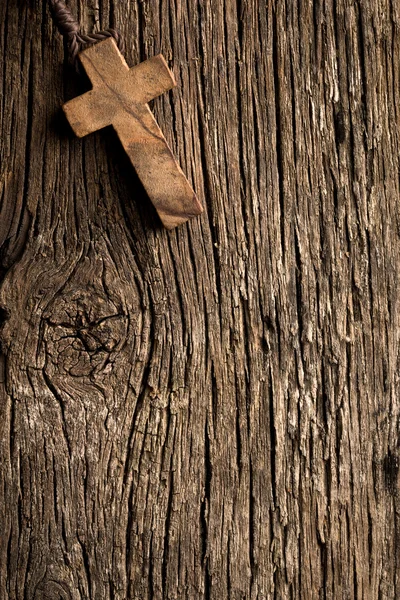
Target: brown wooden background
{"x":212,"y":412}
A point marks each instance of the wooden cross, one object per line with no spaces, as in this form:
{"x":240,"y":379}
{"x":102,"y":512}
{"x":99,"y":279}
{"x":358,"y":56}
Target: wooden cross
{"x":119,"y":98}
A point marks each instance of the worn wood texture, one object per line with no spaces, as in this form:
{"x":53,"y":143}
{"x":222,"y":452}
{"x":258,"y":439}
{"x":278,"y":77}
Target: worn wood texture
{"x":120,"y":97}
{"x":212,"y":412}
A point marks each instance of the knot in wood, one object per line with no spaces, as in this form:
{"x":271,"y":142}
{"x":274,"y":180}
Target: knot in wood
{"x":82,"y":331}
{"x":50,"y":589}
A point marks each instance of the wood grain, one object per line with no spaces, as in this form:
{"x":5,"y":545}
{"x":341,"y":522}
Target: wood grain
{"x":210,"y":412}
{"x":119,"y":98}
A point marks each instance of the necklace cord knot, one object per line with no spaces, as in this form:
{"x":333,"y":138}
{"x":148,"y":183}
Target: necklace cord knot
{"x":69,"y":29}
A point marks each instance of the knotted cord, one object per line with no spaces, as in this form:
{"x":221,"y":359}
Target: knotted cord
{"x":70,"y":30}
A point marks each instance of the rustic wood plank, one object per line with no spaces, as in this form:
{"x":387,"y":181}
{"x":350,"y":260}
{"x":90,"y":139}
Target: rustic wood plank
{"x":210,"y":412}
{"x":119,"y":98}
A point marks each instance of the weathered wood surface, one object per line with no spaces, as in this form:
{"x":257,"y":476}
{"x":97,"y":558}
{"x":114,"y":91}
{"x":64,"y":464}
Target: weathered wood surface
{"x":212,"y":412}
{"x":120,"y":97}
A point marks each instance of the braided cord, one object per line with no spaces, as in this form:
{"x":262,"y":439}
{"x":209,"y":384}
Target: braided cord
{"x":69,"y":29}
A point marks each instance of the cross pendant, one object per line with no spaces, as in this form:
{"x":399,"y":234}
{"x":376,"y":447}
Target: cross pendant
{"x":119,"y":98}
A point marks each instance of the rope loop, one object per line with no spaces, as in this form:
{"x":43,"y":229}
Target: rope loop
{"x":69,"y":29}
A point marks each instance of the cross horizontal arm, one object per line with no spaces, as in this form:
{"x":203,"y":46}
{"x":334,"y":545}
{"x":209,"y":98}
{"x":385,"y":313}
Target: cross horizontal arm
{"x":88,"y":113}
{"x":151,"y":78}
